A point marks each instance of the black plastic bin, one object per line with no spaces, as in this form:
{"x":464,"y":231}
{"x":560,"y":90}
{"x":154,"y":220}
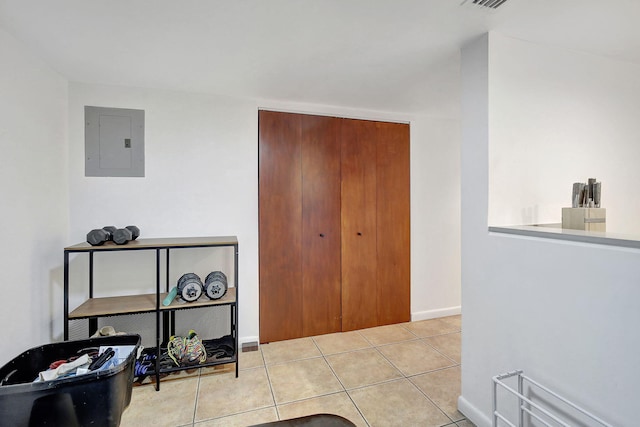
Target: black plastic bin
{"x":94,"y":399}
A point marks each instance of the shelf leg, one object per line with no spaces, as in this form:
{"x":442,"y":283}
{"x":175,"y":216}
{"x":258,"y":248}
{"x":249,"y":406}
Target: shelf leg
{"x":158,"y":319}
{"x":66,"y":295}
{"x":93,"y":321}
{"x":234,"y":319}
{"x":234,"y":309}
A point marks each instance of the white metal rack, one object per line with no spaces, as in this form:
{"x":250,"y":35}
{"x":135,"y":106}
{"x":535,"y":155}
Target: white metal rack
{"x":538,"y":409}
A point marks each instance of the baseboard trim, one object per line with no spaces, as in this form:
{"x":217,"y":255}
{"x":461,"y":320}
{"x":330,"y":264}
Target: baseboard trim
{"x":434,"y":314}
{"x":472,"y":413}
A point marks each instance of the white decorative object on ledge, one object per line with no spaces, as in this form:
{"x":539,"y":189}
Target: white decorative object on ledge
{"x":586,"y":195}
{"x":588,"y":219}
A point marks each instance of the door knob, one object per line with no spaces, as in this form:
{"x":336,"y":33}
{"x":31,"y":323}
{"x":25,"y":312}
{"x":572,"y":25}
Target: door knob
{"x":321,"y":235}
{"x":359,"y":234}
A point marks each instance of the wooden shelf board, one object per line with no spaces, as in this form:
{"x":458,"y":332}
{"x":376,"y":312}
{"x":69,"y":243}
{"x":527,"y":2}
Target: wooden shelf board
{"x":203,"y":301}
{"x":171,"y":242}
{"x":133,"y":304}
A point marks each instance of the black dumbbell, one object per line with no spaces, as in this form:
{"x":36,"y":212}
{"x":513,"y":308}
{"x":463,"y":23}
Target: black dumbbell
{"x":109,"y":229}
{"x":135,"y":231}
{"x":98,"y":236}
{"x":122,"y":235}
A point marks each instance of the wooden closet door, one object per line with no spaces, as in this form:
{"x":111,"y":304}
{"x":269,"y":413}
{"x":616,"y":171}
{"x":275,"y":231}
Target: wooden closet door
{"x":321,"y":288}
{"x":334,"y":224}
{"x":359,"y":290}
{"x":393,"y":223}
{"x":280,"y":222}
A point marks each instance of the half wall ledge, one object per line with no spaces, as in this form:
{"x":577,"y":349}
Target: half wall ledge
{"x":592,"y":237}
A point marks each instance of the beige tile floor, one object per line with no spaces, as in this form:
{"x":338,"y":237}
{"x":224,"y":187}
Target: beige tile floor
{"x":398,"y":375}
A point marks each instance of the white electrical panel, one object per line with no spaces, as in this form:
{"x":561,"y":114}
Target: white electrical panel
{"x":114,"y":142}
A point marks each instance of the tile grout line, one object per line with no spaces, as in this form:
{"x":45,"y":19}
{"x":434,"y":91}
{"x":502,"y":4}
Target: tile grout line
{"x":407,"y":377}
{"x":403,"y":376}
{"x":195,"y":403}
{"x":344,"y":389}
{"x":264,"y":361}
{"x":436,"y":370}
{"x":440,"y":352}
{"x":432,"y":402}
{"x":247,"y":411}
{"x":409,"y":330}
{"x":293,"y":360}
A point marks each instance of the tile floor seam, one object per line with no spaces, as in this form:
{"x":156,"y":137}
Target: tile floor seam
{"x":273,"y":397}
{"x":310,"y":398}
{"x":441,"y":353}
{"x":432,"y":401}
{"x":293,"y":360}
{"x":387,"y":343}
{"x":365,"y":338}
{"x":392,"y":364}
{"x":195,"y":423}
{"x":371,"y":384}
{"x":408,"y":330}
{"x":319,"y":395}
{"x":195,"y":404}
{"x":398,"y":342}
{"x":348,"y":351}
{"x":408,"y":378}
{"x":429,"y":372}
{"x":366,"y":421}
{"x":376,"y":384}
{"x":317,"y":346}
{"x":435,"y":336}
{"x":334,"y":373}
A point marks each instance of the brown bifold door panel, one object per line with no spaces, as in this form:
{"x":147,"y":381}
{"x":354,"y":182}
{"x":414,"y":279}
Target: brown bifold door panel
{"x":359,"y":198}
{"x":393,"y":228}
{"x":299,"y":225}
{"x":280,"y":222}
{"x":321,"y":306}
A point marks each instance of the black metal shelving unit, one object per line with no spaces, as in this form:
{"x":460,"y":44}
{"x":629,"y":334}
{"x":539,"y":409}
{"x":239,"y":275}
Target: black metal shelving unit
{"x":95,"y":308}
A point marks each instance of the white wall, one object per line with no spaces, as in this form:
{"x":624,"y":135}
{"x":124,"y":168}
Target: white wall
{"x":563,"y":312}
{"x":202,"y":179}
{"x":34,"y":214}
{"x":201,"y":172}
{"x":559,"y":117}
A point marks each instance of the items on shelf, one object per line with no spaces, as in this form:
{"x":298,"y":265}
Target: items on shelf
{"x":186,"y":351}
{"x":215,"y":285}
{"x":190,"y":287}
{"x":214,"y":352}
{"x":586,"y":195}
{"x":177,"y":354}
{"x":107,"y":331}
{"x":119,"y":236}
{"x":170,"y":296}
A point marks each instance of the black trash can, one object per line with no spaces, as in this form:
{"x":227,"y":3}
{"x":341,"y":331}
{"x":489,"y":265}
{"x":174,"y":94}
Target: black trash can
{"x":97,"y":398}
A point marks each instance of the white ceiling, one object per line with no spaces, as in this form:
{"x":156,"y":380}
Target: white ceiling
{"x":394,"y":55}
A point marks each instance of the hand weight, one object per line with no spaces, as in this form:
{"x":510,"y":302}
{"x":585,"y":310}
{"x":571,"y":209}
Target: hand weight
{"x":98,"y":236}
{"x":215,"y":285}
{"x":189,"y":287}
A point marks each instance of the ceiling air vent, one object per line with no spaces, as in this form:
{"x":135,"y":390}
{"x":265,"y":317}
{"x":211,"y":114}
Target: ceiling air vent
{"x":492,"y":4}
